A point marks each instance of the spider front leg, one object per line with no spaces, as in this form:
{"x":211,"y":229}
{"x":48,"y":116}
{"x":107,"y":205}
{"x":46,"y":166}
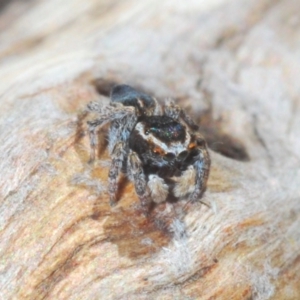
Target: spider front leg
{"x":118,"y":157}
{"x":140,"y":182}
{"x":201,"y":166}
{"x":176,"y":112}
{"x":93,"y":137}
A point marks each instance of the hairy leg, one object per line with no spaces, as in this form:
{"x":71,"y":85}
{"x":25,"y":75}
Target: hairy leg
{"x":176,"y":112}
{"x":118,"y":156}
{"x":110,"y":112}
{"x":115,"y":113}
{"x":92,"y":127}
{"x":139,"y":179}
{"x":201,"y":166}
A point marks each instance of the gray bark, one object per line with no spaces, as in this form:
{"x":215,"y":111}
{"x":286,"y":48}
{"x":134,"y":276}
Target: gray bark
{"x":234,"y":66}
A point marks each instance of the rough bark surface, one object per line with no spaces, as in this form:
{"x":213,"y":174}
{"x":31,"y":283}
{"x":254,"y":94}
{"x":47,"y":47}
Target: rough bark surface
{"x":234,"y":65}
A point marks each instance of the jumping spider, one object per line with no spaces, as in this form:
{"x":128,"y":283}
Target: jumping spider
{"x":157,"y":147}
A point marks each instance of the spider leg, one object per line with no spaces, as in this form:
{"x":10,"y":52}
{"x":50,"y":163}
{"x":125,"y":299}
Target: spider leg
{"x":118,"y":156}
{"x":171,"y":109}
{"x":109,"y":113}
{"x":157,"y":108}
{"x":176,"y":112}
{"x":140,"y":181}
{"x":201,"y":166}
{"x":95,"y":106}
{"x":120,"y":130}
{"x":92,"y":127}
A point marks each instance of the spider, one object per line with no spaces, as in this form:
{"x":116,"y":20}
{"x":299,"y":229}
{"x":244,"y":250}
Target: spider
{"x":158,"y":147}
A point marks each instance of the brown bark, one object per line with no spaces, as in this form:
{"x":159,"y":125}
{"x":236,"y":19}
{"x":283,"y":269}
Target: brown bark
{"x":234,"y":65}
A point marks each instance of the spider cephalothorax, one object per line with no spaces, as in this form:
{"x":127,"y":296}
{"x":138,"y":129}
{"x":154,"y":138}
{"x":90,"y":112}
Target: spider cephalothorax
{"x":157,"y":147}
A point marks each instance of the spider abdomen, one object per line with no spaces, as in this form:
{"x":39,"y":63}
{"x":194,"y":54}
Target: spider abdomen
{"x":128,"y":96}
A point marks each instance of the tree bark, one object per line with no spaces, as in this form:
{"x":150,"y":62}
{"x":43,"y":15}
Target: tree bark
{"x":234,"y":66}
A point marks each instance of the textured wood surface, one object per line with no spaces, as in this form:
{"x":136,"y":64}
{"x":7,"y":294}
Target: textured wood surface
{"x":234,"y":65}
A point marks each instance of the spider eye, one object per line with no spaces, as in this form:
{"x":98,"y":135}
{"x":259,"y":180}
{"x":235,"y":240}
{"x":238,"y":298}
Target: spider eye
{"x":169,"y":156}
{"x":182,"y":155}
